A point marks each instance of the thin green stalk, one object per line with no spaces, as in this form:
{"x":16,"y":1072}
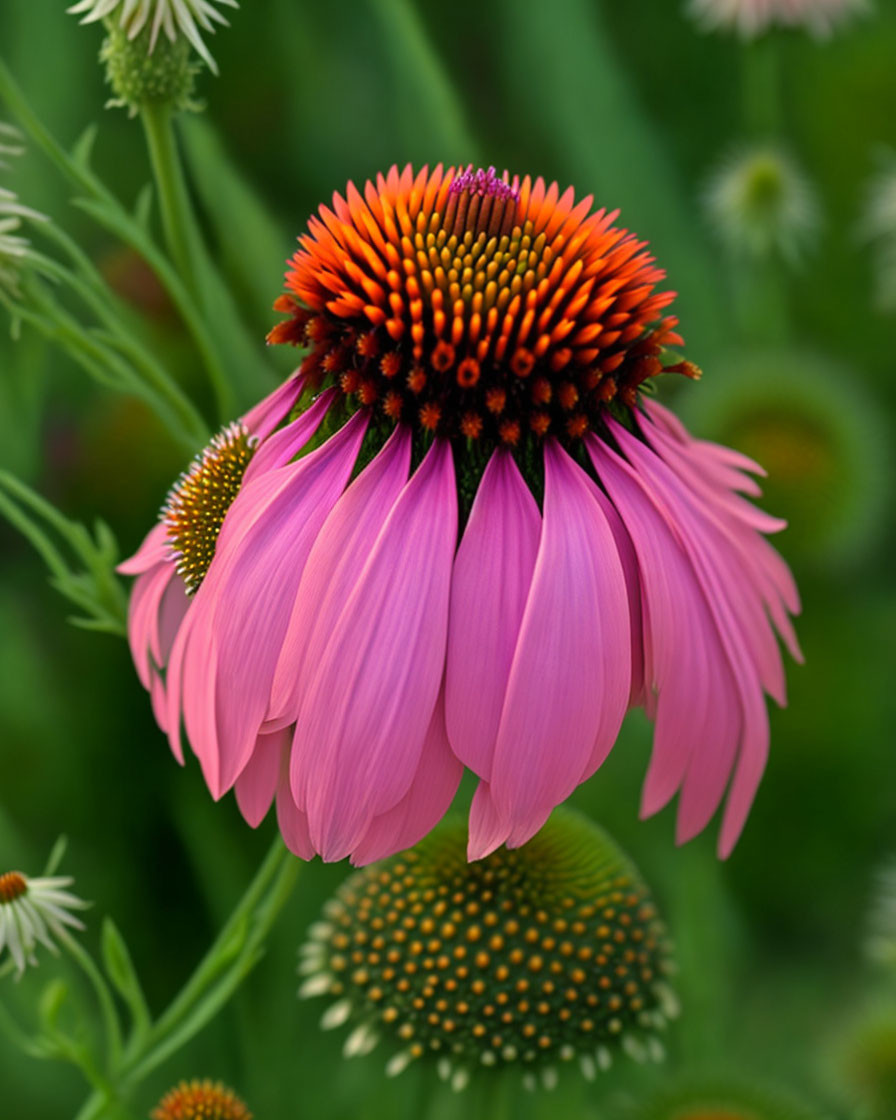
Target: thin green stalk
{"x":191,"y":428}
{"x":108,"y":1011}
{"x":761,"y":88}
{"x":178,"y":221}
{"x":102,"y":205}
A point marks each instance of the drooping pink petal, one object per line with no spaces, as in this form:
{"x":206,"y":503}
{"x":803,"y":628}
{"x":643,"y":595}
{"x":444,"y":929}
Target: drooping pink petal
{"x":683,"y":657}
{"x":291,"y":821}
{"x":143,"y":612}
{"x":265,"y":417}
{"x":344,"y":542}
{"x":257,"y":784}
{"x":427,"y":800}
{"x":154,"y":550}
{"x":571,"y":671}
{"x":702,"y":543}
{"x":280,"y":448}
{"x":489,"y":587}
{"x":385,"y":651}
{"x":488,"y":830}
{"x":227,"y":650}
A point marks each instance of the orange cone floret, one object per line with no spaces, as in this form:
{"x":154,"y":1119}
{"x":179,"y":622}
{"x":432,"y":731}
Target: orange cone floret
{"x":477,"y":307}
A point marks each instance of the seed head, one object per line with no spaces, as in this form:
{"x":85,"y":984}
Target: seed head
{"x":530,"y":957}
{"x":201,"y":1100}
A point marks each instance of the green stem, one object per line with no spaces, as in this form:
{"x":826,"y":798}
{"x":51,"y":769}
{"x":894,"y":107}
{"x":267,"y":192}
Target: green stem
{"x":178,"y":221}
{"x":191,"y":430}
{"x":102,"y":205}
{"x":109,"y":1013}
{"x":761,"y":88}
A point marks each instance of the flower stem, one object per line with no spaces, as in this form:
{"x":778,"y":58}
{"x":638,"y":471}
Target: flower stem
{"x":232,"y":955}
{"x":178,"y":221}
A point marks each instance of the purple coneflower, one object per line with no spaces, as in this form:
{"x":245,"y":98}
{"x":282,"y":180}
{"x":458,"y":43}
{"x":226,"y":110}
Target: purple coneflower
{"x":478,"y":546}
{"x":752,"y":17}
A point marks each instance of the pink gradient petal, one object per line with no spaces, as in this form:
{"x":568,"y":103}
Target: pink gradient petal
{"x":143,"y":612}
{"x":257,"y":784}
{"x":492,"y":575}
{"x":722,"y":596}
{"x":228,"y":648}
{"x":571,"y":672}
{"x":385,"y":649}
{"x":159,"y":705}
{"x":345,"y":540}
{"x":291,"y":821}
{"x":154,"y":550}
{"x":283,"y":446}
{"x":682,"y":652}
{"x":427,"y":800}
{"x":268,"y":414}
{"x":488,"y":830}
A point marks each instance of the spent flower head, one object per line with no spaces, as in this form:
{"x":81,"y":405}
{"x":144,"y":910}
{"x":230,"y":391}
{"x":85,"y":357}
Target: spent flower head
{"x":760,"y":203}
{"x":35,"y":910}
{"x":529,"y":958}
{"x":200,"y":1100}
{"x":750,"y":18}
{"x":179,"y":19}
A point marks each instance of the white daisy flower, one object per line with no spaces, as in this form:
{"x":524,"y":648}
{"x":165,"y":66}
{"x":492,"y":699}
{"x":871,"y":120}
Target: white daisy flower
{"x":750,"y":18}
{"x":13,"y":247}
{"x":32,"y":911}
{"x":175,"y":17}
{"x":761,"y":203}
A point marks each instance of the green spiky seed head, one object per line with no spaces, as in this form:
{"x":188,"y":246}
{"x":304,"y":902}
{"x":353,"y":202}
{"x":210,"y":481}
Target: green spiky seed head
{"x":139,"y":76}
{"x":531,"y":956}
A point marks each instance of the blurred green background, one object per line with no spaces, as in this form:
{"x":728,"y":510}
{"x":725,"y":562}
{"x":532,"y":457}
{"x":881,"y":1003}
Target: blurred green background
{"x":626,"y":101}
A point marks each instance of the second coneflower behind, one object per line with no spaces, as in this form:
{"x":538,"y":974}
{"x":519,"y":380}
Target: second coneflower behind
{"x":478,"y":546}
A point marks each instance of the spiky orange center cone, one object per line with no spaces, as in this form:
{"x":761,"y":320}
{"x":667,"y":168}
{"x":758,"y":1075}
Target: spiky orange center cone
{"x":12,"y":886}
{"x":476,"y":307}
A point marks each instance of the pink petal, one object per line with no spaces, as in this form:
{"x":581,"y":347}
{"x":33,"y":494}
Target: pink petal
{"x":257,"y":783}
{"x":143,"y":610}
{"x":227,"y":650}
{"x":425,"y":803}
{"x":492,"y":576}
{"x":723,"y":596}
{"x":571,"y":672}
{"x":682,"y":652}
{"x":344,"y":542}
{"x":154,"y":550}
{"x":268,"y":414}
{"x":488,"y":830}
{"x":291,"y":821}
{"x":382,"y":656}
{"x":283,"y":446}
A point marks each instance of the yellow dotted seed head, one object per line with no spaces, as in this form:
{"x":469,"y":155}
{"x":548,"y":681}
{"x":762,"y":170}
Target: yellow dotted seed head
{"x":495,"y":924}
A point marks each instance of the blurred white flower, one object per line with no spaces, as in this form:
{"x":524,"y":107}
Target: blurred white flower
{"x":761,"y":204}
{"x":878,"y":227}
{"x":880,"y":944}
{"x":175,"y":17}
{"x":32,"y":911}
{"x":750,"y":18}
{"x":13,"y":247}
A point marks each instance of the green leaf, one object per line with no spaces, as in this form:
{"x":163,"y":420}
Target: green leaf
{"x":83,"y":148}
{"x":120,"y":969}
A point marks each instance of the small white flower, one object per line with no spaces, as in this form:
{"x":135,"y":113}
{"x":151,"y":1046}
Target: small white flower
{"x":13,"y":247}
{"x":32,"y":911}
{"x":175,"y":17}
{"x":878,"y":227}
{"x":880,"y":945}
{"x":750,"y":18}
{"x":761,"y":203}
